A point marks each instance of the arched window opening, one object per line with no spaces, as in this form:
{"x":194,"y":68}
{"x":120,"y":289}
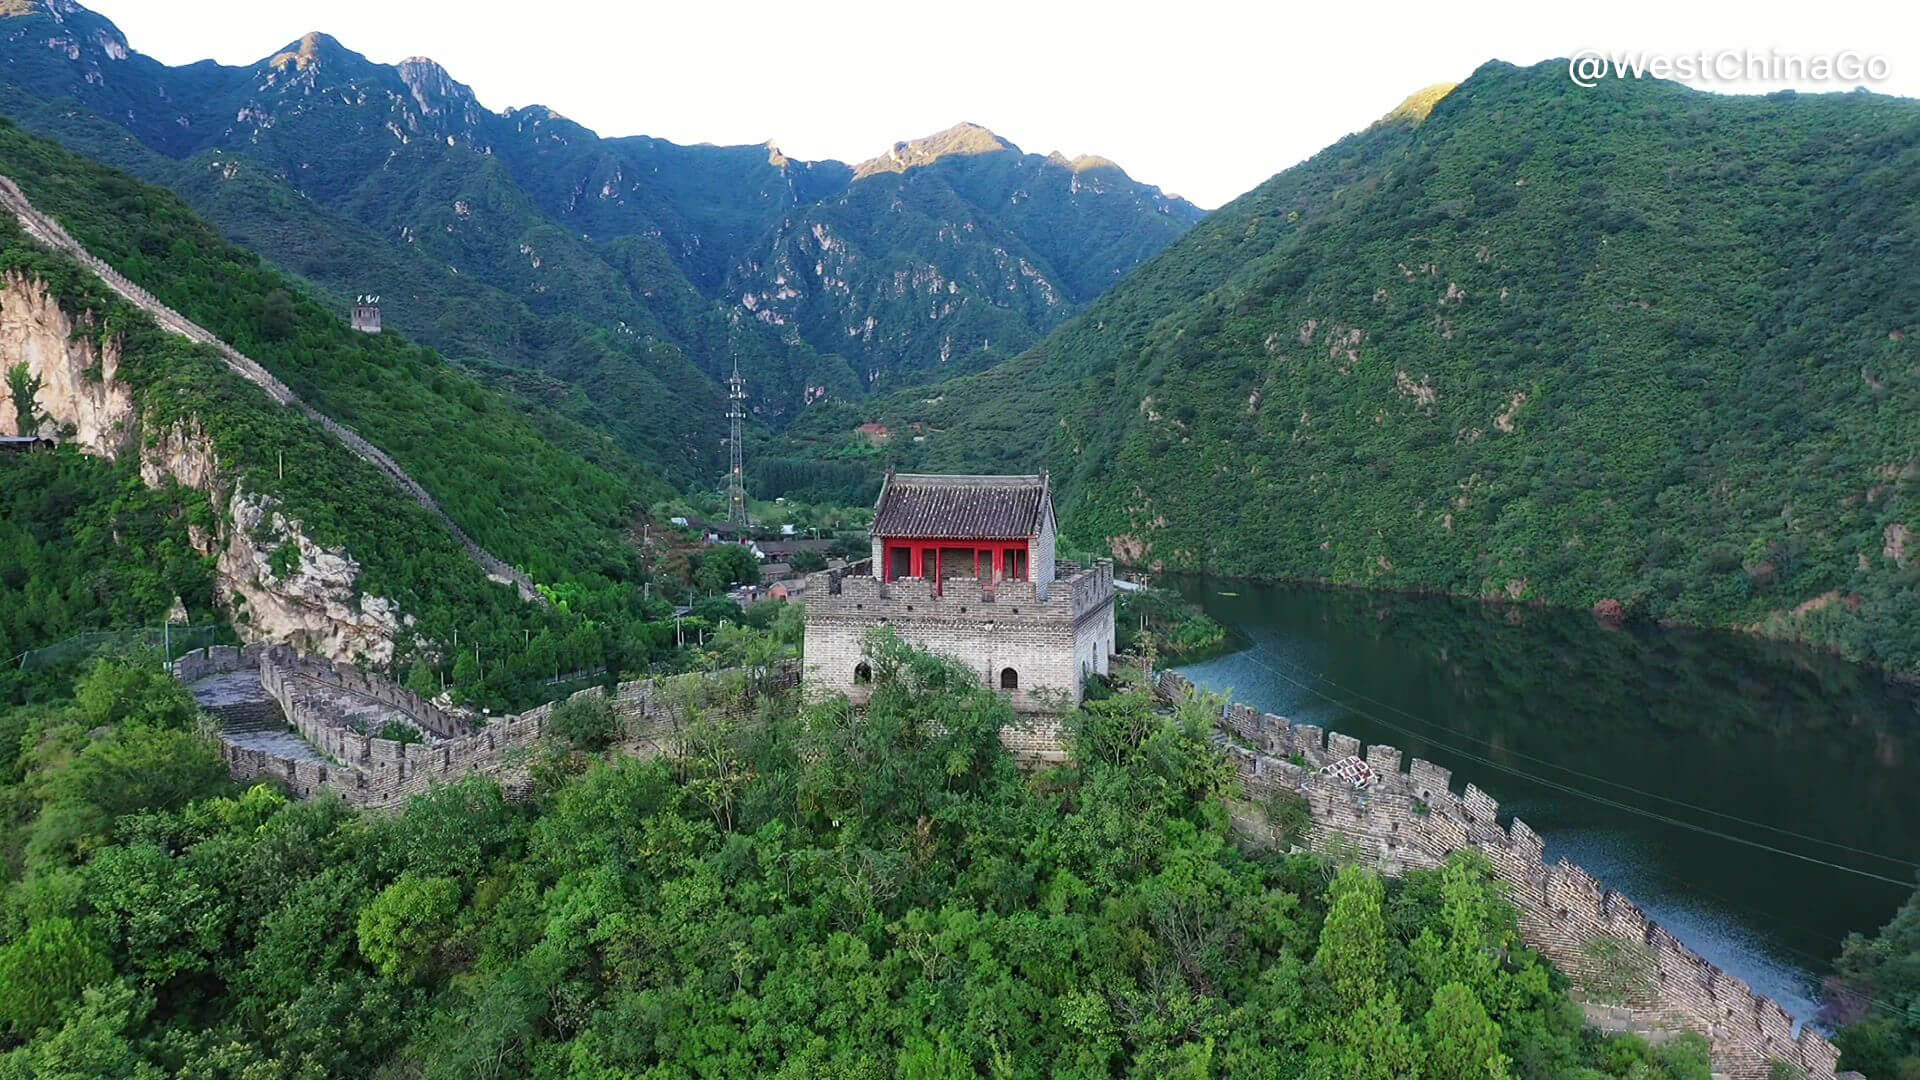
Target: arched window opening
{"x":1009,"y":679}
{"x":862,"y":674}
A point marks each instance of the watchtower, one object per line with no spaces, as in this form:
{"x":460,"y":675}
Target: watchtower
{"x":366,"y":314}
{"x":964,"y":566}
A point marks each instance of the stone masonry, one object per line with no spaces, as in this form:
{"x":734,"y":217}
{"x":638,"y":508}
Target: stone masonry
{"x":1413,"y":819}
{"x":1051,"y":644}
{"x":319,"y":699}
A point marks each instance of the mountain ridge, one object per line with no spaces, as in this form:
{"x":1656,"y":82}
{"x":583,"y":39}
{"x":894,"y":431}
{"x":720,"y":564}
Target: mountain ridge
{"x":1452,"y":353}
{"x":366,"y":528}
{"x":641,"y":269}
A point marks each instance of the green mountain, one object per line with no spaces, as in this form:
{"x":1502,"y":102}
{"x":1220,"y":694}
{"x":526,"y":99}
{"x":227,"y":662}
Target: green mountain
{"x":200,"y":485}
{"x":629,"y":272}
{"x":1542,"y":342}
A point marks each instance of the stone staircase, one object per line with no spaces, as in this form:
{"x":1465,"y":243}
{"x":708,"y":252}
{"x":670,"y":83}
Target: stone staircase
{"x":50,"y":232}
{"x":249,"y":717}
{"x":260,"y":725}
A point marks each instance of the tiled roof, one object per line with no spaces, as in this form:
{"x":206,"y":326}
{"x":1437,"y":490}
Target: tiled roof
{"x":926,"y":505}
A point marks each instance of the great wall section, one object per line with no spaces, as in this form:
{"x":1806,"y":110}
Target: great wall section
{"x":50,"y":232}
{"x":1412,"y":819}
{"x":336,"y":714}
{"x":316,"y":727}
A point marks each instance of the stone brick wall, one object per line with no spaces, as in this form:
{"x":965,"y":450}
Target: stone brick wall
{"x":1412,"y":818}
{"x":1040,"y":552}
{"x":371,"y":772}
{"x":1049,"y":641}
{"x":217,"y":660}
{"x":291,"y":670}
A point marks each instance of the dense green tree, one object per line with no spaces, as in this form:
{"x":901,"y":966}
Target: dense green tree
{"x":466,"y":675}
{"x":1875,"y":993}
{"x":1463,"y":1043}
{"x":801,"y":890}
{"x":402,"y":930}
{"x":1353,"y":952}
{"x":724,"y":566}
{"x":421,"y":678}
{"x":23,"y":391}
{"x":585,"y":722}
{"x":134,"y":691}
{"x":97,"y":1041}
{"x":130,"y":768}
{"x":45,"y":970}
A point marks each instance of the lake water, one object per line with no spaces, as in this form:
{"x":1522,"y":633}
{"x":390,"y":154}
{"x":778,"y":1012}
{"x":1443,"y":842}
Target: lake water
{"x":1595,"y":735}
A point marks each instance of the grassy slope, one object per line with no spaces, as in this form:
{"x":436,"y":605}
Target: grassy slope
{"x":485,"y":460}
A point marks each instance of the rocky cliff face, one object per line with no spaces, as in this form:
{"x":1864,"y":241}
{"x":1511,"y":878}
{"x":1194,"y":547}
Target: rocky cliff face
{"x":80,"y":395}
{"x":278,"y":585}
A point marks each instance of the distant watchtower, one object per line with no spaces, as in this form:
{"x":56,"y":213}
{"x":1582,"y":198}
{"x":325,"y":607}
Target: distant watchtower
{"x":736,"y":419}
{"x":366,"y":314}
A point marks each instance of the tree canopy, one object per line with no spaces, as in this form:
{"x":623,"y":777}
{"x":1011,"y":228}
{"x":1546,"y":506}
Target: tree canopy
{"x":812,"y":891}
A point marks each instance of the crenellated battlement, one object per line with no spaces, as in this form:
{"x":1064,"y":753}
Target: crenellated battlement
{"x":1412,"y":818}
{"x":371,"y":772}
{"x":1034,"y":643}
{"x":1077,"y":592}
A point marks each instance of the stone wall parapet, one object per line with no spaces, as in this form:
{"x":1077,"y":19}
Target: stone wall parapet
{"x":1411,"y":818}
{"x":844,"y":591}
{"x":372,"y":772}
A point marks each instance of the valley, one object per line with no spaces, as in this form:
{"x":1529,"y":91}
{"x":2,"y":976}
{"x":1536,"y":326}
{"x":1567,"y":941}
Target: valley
{"x":613,"y":279}
{"x":483,"y":596}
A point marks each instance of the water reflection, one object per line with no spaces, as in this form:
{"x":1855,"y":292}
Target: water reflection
{"x":1527,"y":704}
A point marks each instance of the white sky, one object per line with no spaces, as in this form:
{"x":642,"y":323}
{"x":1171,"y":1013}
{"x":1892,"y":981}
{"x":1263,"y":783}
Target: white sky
{"x":1205,"y":98}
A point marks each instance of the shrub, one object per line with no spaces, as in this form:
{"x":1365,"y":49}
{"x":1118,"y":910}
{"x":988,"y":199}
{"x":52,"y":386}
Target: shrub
{"x":585,"y":722}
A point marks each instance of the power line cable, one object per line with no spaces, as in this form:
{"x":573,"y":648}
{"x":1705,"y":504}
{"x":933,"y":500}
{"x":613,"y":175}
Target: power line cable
{"x":1817,"y":962}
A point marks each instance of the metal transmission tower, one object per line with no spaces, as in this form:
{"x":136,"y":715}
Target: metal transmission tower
{"x":736,"y":417}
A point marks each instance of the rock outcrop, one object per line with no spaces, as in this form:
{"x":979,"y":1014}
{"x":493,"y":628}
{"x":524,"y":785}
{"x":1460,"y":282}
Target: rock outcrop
{"x":50,"y":232}
{"x":79,"y":389}
{"x":279,"y":586}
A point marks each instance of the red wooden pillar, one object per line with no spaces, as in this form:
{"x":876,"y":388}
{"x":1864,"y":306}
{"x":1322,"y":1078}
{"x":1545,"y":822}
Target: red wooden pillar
{"x":918,"y":554}
{"x":999,"y":561}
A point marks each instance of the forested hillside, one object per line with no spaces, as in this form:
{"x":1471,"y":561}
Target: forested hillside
{"x":798,"y":896}
{"x":627,"y":271}
{"x":530,"y":486}
{"x":85,"y":546}
{"x":1550,"y":343}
